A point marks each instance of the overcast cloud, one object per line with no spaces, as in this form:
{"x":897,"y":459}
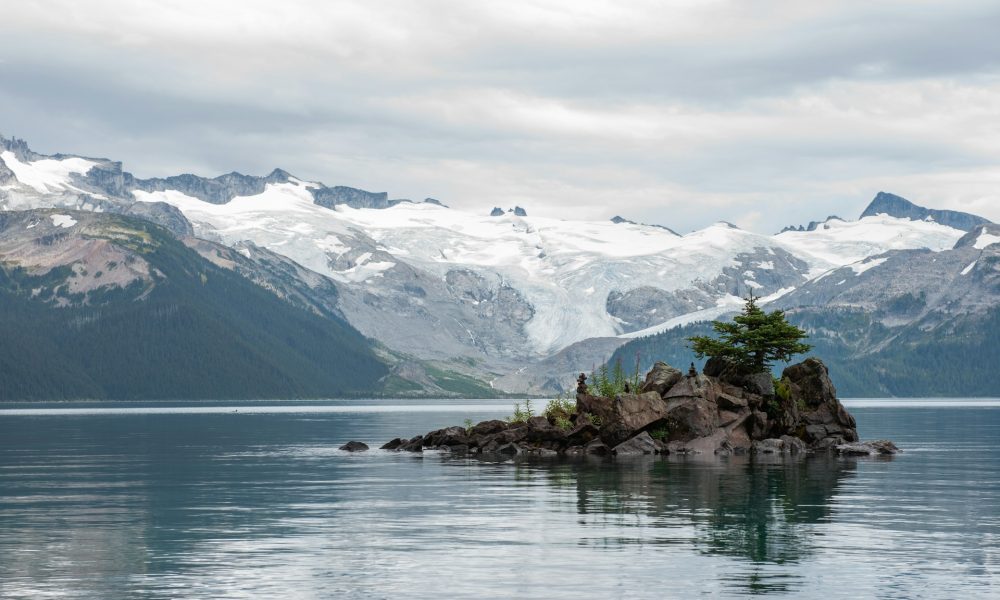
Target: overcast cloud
{"x":677,"y":112}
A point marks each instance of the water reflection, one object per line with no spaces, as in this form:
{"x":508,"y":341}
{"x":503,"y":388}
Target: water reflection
{"x":265,"y":505}
{"x":759,"y":511}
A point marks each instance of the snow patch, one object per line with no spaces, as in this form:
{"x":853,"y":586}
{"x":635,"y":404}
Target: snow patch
{"x":64,"y":221}
{"x":985,"y":239}
{"x":767,"y":265}
{"x":969,"y":268}
{"x":867,"y":265}
{"x":47,"y":175}
{"x":724,"y":305}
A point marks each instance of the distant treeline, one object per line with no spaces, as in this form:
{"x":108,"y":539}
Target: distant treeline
{"x":958,"y":358}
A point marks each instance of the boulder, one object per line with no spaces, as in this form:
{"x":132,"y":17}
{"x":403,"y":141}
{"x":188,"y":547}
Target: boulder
{"x":640,"y":444}
{"x":488,"y":427}
{"x":873,"y":448}
{"x":793,"y":445}
{"x":708,"y":444}
{"x":730,"y":402}
{"x":692,"y":418}
{"x":769,"y":446}
{"x":353,"y":446}
{"x":540,"y":431}
{"x":449,"y":436}
{"x":761,"y":384}
{"x":661,"y":378}
{"x":738,"y":441}
{"x":598,"y":407}
{"x":631,"y":413}
{"x":596,"y":448}
{"x":582,"y":434}
{"x":414,"y":445}
{"x":510,"y":450}
{"x":723,"y":369}
{"x":809,"y":381}
{"x":394,"y":444}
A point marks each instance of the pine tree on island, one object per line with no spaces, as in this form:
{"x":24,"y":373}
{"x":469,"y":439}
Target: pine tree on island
{"x":753,"y":339}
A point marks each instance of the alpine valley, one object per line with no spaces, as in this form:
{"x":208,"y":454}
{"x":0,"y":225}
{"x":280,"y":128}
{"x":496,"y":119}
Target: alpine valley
{"x":239,"y":286}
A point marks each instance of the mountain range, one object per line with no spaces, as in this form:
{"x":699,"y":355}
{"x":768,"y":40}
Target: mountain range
{"x":448,"y":301}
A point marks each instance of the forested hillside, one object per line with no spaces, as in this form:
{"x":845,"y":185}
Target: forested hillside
{"x":192,"y":331}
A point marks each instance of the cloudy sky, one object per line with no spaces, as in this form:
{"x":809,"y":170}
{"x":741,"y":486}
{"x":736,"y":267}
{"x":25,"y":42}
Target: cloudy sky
{"x":680,"y":112}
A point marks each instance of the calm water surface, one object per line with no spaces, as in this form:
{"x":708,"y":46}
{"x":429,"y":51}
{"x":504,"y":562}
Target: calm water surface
{"x":114,"y":501}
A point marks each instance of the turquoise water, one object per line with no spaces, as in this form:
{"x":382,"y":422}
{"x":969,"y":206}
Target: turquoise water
{"x":174,"y":500}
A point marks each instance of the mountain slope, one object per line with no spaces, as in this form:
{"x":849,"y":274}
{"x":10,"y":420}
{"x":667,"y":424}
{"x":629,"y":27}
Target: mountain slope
{"x":896,"y":206}
{"x":903,"y":323}
{"x":509,"y":296}
{"x":105,"y":306}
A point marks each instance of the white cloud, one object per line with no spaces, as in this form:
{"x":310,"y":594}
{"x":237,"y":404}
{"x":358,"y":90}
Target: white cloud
{"x":682,"y":112}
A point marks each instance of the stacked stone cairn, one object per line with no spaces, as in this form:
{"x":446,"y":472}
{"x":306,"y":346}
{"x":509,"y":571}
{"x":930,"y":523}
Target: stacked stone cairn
{"x":718,"y":411}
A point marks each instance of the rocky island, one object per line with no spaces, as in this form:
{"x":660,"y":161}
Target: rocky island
{"x":718,"y":411}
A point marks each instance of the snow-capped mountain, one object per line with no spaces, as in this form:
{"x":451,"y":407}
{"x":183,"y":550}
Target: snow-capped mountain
{"x":500,"y":288}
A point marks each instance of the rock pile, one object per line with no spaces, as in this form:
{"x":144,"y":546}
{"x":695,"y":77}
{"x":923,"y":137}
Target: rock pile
{"x":718,"y":411}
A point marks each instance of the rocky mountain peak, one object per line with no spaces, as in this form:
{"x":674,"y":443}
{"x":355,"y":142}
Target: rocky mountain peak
{"x":901,"y":208}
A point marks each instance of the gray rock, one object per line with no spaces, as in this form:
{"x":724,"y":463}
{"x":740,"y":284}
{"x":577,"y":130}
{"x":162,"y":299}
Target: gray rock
{"x":582,"y":434}
{"x":393,"y":444}
{"x":489,"y":427}
{"x":693,"y":417}
{"x":631,"y":413}
{"x":640,"y":444}
{"x":872,"y":448}
{"x":596,"y":406}
{"x":449,"y":436}
{"x":510,"y":450}
{"x":759,"y":383}
{"x":793,"y":445}
{"x":353,"y":446}
{"x":414,"y":445}
{"x":596,"y":448}
{"x":661,"y":378}
{"x":729,"y":402}
{"x":769,"y":446}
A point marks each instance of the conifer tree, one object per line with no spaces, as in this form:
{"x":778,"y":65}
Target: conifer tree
{"x":753,"y":340}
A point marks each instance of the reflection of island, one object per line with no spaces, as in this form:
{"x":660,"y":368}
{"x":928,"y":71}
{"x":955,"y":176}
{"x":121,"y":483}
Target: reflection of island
{"x":762,"y":511}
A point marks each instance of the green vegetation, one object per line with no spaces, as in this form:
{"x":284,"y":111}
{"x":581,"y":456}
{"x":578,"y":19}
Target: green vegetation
{"x":521,"y":415}
{"x":617,"y":382}
{"x":958,"y":357}
{"x":660,"y":433}
{"x":457,"y":383}
{"x":559,"y":411}
{"x":226,"y":338}
{"x":753,"y":340}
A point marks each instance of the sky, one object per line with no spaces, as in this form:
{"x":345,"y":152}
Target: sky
{"x":676,"y":112}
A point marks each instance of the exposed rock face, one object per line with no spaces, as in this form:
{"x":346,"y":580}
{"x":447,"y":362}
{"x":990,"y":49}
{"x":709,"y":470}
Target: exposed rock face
{"x":822,"y":419}
{"x":165,"y":215}
{"x":496,"y":212}
{"x":896,"y":206}
{"x":631,"y":414}
{"x":693,"y":413}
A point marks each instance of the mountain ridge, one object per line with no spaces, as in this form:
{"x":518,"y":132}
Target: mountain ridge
{"x":496,"y":293}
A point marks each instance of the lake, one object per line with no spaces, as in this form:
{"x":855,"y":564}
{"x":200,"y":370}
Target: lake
{"x":111,"y":500}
